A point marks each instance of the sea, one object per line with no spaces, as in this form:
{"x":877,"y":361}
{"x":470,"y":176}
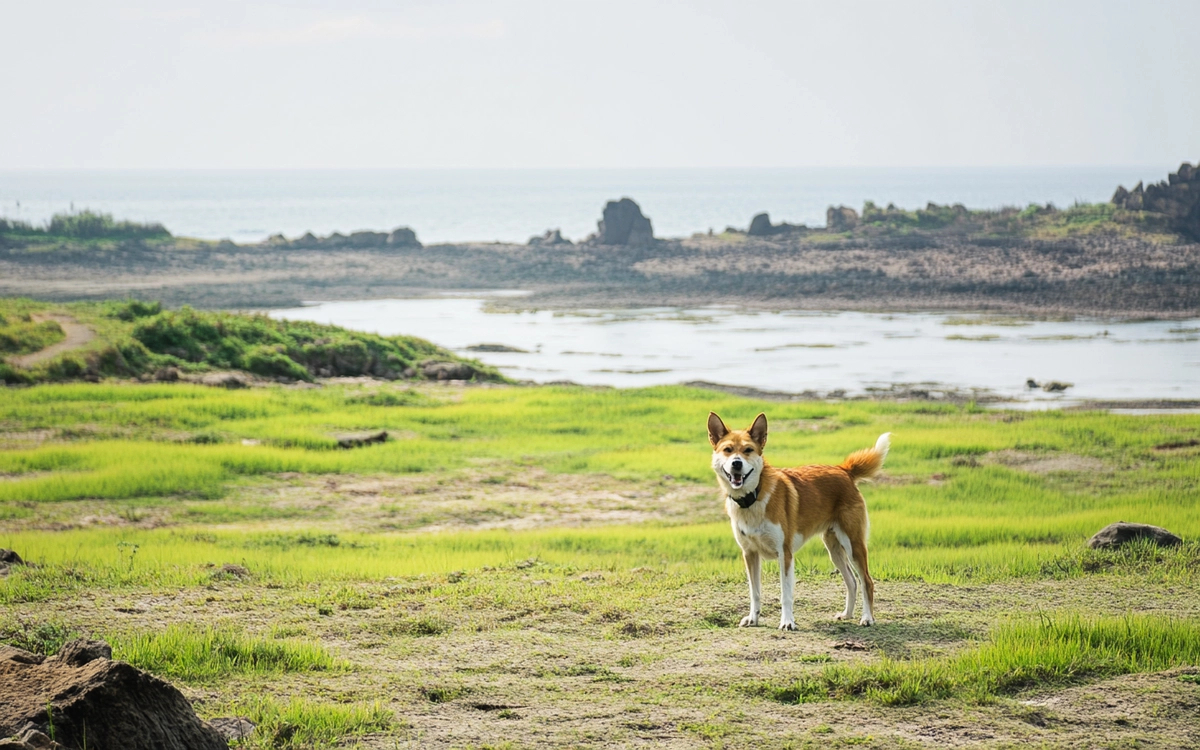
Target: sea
{"x":506,"y":205}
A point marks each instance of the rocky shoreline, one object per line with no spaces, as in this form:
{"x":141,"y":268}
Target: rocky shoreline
{"x":1113,"y":260}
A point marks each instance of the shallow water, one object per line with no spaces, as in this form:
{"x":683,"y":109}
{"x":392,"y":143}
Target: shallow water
{"x":795,"y":351}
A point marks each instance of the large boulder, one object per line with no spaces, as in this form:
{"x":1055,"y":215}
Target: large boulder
{"x":1175,"y":200}
{"x":840,"y":218}
{"x":624,"y":224}
{"x":760,"y":226}
{"x":1121,"y":533}
{"x":109,"y":705}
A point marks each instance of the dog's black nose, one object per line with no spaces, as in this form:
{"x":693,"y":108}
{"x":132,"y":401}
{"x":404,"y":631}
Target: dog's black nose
{"x":737,"y":464}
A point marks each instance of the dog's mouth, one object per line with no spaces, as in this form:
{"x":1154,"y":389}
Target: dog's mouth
{"x":737,"y":478}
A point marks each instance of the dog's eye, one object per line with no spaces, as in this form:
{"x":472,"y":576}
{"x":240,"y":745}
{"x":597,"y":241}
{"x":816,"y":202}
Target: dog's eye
{"x":728,"y":449}
{"x":748,"y":451}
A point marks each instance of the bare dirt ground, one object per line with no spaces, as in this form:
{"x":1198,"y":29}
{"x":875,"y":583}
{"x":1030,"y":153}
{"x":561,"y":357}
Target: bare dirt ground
{"x":77,"y":335}
{"x":1097,"y":274}
{"x":583,"y":667}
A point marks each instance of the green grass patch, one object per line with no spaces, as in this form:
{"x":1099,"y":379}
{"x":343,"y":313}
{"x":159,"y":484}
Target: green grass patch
{"x":1046,"y":653}
{"x":302,"y":723}
{"x":194,"y":654}
{"x":140,"y":338}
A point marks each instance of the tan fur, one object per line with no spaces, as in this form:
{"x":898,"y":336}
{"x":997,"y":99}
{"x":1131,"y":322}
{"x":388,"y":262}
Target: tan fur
{"x":803,"y":502}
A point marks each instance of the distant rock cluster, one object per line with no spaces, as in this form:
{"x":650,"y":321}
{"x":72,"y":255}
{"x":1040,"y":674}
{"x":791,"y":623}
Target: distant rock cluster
{"x":398,"y":237}
{"x":623,"y":224}
{"x":1177,"y":200}
{"x":840,"y":218}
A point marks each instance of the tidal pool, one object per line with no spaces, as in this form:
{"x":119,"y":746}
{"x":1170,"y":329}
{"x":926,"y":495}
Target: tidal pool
{"x":795,"y":351}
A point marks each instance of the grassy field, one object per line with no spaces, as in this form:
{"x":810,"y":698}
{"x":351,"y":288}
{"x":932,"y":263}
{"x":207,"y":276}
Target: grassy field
{"x":550,"y":566}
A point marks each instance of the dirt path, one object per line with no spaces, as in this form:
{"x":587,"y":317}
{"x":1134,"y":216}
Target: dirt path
{"x":77,"y":335}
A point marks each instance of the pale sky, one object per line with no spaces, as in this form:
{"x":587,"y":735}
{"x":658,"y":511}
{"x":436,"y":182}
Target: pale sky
{"x":574,"y":83}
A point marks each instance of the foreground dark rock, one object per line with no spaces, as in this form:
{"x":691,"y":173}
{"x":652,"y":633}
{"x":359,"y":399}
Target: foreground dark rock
{"x":1175,"y":201}
{"x":86,"y":695}
{"x":624,"y":224}
{"x":1121,"y":533}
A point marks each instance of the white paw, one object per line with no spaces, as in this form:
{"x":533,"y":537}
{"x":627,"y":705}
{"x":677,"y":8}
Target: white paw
{"x":867,"y":620}
{"x":749,"y":621}
{"x":844,"y":616}
{"x":787,"y":625}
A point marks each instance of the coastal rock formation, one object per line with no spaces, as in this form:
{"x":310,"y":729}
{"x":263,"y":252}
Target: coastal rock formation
{"x":761,"y":226}
{"x":1176,"y":200}
{"x":84,"y":699}
{"x":551,"y":237}
{"x":840,"y":218}
{"x":624,"y":224}
{"x":403,"y":237}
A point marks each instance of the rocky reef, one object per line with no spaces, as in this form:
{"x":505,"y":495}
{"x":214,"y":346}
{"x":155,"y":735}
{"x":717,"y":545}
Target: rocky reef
{"x":400,"y":237}
{"x":1174,"y":202}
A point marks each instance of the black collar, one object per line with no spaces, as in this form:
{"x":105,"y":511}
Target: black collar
{"x":745,"y":501}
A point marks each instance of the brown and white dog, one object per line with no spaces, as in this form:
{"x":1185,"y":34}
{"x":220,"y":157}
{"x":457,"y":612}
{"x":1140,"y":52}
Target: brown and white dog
{"x":775,"y":511}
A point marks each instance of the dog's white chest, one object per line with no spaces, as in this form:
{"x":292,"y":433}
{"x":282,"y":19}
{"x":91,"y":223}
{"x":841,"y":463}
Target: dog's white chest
{"x":758,"y":535}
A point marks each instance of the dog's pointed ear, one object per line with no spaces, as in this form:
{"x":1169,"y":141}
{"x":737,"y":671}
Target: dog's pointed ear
{"x":758,"y":430}
{"x":716,"y":429}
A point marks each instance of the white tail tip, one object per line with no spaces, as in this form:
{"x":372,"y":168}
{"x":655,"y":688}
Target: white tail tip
{"x":882,"y":444}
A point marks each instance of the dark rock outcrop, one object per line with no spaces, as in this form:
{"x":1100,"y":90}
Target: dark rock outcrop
{"x":761,"y":226}
{"x":1121,"y":533}
{"x":551,"y":237}
{"x":113,"y":705}
{"x":624,"y":224}
{"x":8,"y":559}
{"x":1176,"y":200}
{"x":358,"y":440}
{"x":403,"y":237}
{"x":840,"y":218}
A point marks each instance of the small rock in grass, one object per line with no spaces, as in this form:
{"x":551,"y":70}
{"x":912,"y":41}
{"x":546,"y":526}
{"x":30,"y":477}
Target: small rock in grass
{"x":1121,"y":533}
{"x":231,"y":570}
{"x":232,"y":727}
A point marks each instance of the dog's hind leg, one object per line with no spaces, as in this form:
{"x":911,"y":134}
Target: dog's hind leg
{"x":754,"y":574}
{"x":838,"y":555}
{"x":858,"y":558}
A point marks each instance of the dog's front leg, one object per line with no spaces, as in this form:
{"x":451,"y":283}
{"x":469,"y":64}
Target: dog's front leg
{"x":754,"y":574}
{"x":787,"y":594}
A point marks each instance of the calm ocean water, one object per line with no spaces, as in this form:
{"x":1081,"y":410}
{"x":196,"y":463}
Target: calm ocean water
{"x":513,"y":205}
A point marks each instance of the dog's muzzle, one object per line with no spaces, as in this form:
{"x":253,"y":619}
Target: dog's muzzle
{"x":737,"y":473}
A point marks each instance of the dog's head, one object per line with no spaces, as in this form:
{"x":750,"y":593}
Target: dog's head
{"x":737,"y":454}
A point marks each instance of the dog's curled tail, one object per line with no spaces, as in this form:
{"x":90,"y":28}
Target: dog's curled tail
{"x":865,"y":464}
